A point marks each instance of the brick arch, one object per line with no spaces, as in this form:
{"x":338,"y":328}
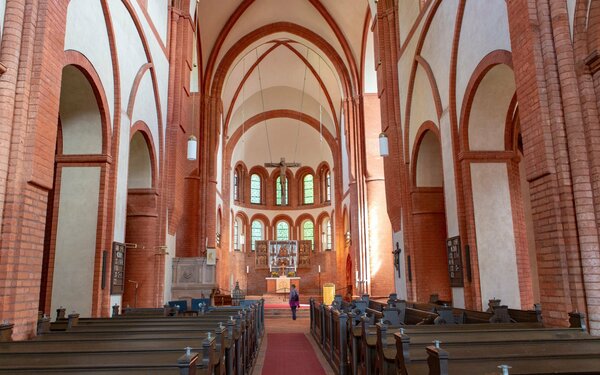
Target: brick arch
{"x":427,"y":126}
{"x":143,"y":129}
{"x":300,"y":174}
{"x":305,"y":216}
{"x":266,"y":223}
{"x":286,"y":218}
{"x":485,"y":65}
{"x":264,"y":183}
{"x":81,"y":62}
{"x":420,"y":62}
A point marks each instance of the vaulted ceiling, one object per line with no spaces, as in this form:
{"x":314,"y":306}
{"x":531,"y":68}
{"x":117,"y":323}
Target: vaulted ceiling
{"x":302,"y":56}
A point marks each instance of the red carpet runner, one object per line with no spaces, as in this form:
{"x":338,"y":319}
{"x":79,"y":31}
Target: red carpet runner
{"x":290,"y":354}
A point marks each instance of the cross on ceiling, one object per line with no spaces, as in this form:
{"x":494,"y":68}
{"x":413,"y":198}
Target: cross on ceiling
{"x":282,"y":165}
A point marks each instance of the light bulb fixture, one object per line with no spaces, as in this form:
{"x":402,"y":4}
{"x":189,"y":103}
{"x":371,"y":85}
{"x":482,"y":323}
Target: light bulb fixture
{"x":383,"y":145}
{"x":192,"y":148}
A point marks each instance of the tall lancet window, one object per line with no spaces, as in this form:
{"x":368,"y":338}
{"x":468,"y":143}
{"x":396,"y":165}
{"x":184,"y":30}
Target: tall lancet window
{"x":328,"y":187}
{"x":283,"y":231}
{"x":328,"y":236}
{"x":309,"y":189}
{"x":256,"y":233}
{"x":255,"y":189}
{"x":278,"y":197}
{"x":236,"y":186}
{"x":236,"y":235}
{"x":308,"y":232}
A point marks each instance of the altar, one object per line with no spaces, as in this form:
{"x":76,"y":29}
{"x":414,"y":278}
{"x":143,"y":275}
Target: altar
{"x":282,"y":284}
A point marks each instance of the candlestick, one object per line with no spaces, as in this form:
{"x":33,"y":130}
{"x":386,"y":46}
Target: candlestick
{"x":247,"y":269}
{"x":319,"y":268}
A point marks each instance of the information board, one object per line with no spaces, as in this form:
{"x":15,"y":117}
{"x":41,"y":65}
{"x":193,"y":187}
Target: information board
{"x":117,"y":280}
{"x":455,"y":269}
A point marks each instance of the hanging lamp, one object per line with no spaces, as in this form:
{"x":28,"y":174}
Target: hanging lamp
{"x":383,"y":145}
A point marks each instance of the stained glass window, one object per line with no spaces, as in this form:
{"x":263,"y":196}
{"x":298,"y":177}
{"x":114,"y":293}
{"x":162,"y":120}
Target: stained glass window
{"x":283,"y":231}
{"x":328,"y":237}
{"x":236,"y":186}
{"x":255,"y":196}
{"x":308,"y":232}
{"x":309,"y":191}
{"x":328,"y":187}
{"x":278,"y":193}
{"x":256,"y":233}
{"x":236,"y":235}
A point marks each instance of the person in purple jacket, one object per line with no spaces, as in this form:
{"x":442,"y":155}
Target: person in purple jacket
{"x":294,"y":300}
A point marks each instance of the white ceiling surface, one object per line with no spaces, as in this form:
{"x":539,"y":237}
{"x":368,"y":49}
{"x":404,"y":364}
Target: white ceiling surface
{"x":294,"y":141}
{"x":348,"y":14}
{"x":282,"y":68}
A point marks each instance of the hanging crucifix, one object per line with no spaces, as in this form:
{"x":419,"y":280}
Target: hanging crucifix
{"x":282,"y":165}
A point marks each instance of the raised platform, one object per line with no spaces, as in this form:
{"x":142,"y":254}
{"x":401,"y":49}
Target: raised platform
{"x":278,"y":299}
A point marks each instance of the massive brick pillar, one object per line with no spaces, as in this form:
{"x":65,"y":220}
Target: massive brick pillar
{"x":380,"y":247}
{"x":27,"y":142}
{"x":142,"y":266}
{"x":554,"y":131}
{"x":387,"y":47}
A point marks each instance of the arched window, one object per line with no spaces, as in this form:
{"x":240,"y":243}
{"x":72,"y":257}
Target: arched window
{"x":236,"y":235}
{"x":283,"y":231}
{"x":236,"y":185}
{"x":256,"y":233}
{"x":278,"y":197}
{"x":308,"y":232}
{"x":328,"y":243}
{"x":328,"y":186}
{"x":309,"y":189}
{"x":255,"y":189}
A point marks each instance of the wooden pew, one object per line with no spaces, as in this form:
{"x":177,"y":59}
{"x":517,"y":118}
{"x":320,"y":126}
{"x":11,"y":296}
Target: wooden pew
{"x":92,"y":336}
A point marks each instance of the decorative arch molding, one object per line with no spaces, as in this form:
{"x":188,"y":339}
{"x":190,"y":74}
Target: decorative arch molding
{"x":144,"y":130}
{"x":265,"y":222}
{"x":283,"y":113}
{"x":435,"y":93}
{"x":287,"y":219}
{"x":427,"y":126}
{"x":81,"y":62}
{"x":491,"y":60}
{"x":302,"y":218}
{"x":136,"y":85}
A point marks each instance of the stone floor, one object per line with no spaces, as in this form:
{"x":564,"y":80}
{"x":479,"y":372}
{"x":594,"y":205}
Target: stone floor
{"x":288,"y":326}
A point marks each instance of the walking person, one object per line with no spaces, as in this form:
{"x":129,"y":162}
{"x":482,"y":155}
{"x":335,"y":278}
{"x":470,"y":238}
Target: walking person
{"x":294,"y":301}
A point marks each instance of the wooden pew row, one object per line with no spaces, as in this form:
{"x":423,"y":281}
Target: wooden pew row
{"x":373,"y":351}
{"x":239,"y":350}
{"x":87,"y":338}
{"x":123,"y":362}
{"x":413,"y":340}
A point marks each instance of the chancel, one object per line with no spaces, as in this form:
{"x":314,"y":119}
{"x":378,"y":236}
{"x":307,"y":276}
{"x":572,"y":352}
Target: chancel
{"x":352,"y":186}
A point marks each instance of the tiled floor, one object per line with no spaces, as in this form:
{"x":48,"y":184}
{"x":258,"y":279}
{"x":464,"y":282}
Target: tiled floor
{"x":280,"y":325}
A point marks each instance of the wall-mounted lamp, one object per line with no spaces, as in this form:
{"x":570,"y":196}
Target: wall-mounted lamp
{"x":192,"y":148}
{"x":383,"y":145}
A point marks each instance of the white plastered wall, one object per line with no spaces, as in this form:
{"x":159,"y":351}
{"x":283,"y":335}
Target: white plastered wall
{"x":86,"y":23}
{"x":484,"y":29}
{"x":495,"y":233}
{"x":171,"y":251}
{"x":159,"y":13}
{"x":79,"y":115}
{"x":76,"y":240}
{"x":429,"y":162}
{"x":140,"y":165}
